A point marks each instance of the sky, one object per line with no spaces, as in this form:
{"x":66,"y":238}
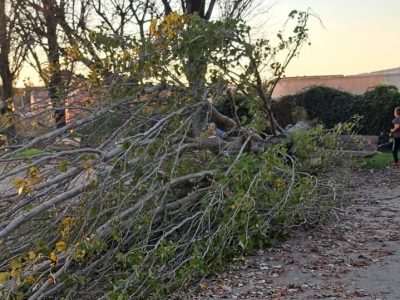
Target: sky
{"x":348,"y":36}
{"x":356,"y":36}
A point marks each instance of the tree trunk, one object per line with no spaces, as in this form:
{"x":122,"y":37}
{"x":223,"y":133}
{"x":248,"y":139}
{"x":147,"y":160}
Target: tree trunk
{"x":196,"y":69}
{"x":53,"y":55}
{"x":5,"y":73}
{"x":196,"y":6}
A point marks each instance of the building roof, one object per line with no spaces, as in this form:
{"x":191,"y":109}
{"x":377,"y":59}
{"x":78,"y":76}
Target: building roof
{"x":355,"y":84}
{"x":394,"y":71}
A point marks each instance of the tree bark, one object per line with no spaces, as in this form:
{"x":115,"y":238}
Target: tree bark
{"x":5,"y":72}
{"x":196,"y":6}
{"x":53,"y":55}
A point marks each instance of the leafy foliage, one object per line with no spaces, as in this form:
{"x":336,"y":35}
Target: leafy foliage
{"x":331,"y":107}
{"x":144,"y":208}
{"x":376,"y":107}
{"x":29,"y":152}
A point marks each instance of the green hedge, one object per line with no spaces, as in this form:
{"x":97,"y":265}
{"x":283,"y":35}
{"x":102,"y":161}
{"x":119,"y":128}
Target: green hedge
{"x":328,"y":105}
{"x":376,"y":107}
{"x":332,"y":106}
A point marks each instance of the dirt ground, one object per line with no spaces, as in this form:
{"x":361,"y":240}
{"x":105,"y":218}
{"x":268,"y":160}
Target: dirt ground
{"x":355,"y":257}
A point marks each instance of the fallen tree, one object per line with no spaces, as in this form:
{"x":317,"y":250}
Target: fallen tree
{"x":147,"y":207}
{"x":147,"y":211}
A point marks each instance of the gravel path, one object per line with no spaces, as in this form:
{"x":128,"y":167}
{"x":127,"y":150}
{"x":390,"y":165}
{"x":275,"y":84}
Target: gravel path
{"x":355,"y":258}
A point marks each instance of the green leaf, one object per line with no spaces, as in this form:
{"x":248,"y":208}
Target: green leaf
{"x":63,"y":166}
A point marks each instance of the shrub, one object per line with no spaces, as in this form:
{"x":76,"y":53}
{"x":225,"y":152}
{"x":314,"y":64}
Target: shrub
{"x":332,"y":106}
{"x":376,"y":107}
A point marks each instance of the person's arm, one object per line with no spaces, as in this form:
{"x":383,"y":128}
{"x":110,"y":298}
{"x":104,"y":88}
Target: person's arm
{"x":395,"y":128}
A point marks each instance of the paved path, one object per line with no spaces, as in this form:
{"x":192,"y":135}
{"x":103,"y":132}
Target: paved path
{"x":355,"y":258}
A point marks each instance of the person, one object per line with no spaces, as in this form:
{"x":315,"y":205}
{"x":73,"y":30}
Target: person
{"x":215,"y":131}
{"x":395,"y":133}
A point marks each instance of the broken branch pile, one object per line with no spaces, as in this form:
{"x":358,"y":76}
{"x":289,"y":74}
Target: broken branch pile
{"x":145,"y":208}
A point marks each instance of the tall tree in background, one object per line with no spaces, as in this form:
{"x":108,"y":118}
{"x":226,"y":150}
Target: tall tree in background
{"x":50,"y":13}
{"x":122,"y":17}
{"x":193,"y":6}
{"x":39,"y":21}
{"x":51,"y":24}
{"x":12,"y":50}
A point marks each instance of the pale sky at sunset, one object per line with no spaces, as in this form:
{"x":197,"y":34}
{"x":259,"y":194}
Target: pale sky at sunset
{"x":357,"y":36}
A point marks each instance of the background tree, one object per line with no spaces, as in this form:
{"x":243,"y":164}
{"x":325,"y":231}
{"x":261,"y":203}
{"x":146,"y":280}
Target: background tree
{"x":123,"y":17}
{"x":44,"y":22}
{"x":12,"y":50}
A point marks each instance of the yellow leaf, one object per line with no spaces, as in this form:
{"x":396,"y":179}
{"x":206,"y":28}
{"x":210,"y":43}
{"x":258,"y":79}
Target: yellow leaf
{"x":33,"y":171}
{"x":67,"y":221}
{"x":85,"y":164}
{"x":61,"y":246}
{"x":66,"y":226}
{"x":153,"y":25}
{"x":53,"y":257}
{"x":15,"y":273}
{"x":31,"y":255}
{"x":15,"y":264}
{"x":203,"y":286}
{"x":170,"y":34}
{"x":34,"y":123}
{"x":278,"y":183}
{"x":21,"y":185}
{"x":30,"y":280}
{"x":16,"y":182}
{"x":80,"y":254}
{"x":4,"y":277}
